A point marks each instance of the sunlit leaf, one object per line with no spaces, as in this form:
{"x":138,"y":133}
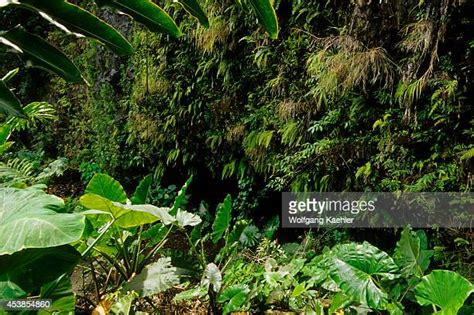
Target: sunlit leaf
{"x":107,"y":187}
{"x":28,"y":219}
{"x":446,"y":289}
{"x":41,"y":54}
{"x":145,"y":12}
{"x":155,"y":278}
{"x":73,"y":19}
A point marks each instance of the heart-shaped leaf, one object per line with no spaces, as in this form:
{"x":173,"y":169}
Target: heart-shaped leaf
{"x":446,"y":289}
{"x":356,"y":269}
{"x":28,"y":220}
{"x":73,"y":19}
{"x":410,"y":256}
{"x":212,"y":277}
{"x":105,"y":186}
{"x":184,"y":218}
{"x":155,"y":278}
{"x":41,"y":54}
{"x":145,"y":12}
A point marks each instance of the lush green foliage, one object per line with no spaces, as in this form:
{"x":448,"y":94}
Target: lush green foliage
{"x":335,"y":96}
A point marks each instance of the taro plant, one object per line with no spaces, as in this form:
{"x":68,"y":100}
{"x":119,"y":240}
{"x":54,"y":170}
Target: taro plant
{"x":35,"y":255}
{"x":128,"y":234}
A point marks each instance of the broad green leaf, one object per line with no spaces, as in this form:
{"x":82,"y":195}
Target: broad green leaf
{"x":145,"y":12}
{"x":266,"y":16}
{"x":233,"y":298}
{"x":222,"y":220}
{"x":181,"y":197}
{"x":73,"y":19}
{"x":356,"y":269}
{"x":193,"y":8}
{"x":184,"y":218}
{"x":60,"y":292}
{"x":136,"y":215}
{"x":10,"y":75}
{"x":340,"y":300}
{"x":410,"y":256}
{"x":28,"y":220}
{"x":212,"y":276}
{"x":446,"y":289}
{"x":9,"y":104}
{"x":125,"y":215}
{"x":43,"y":55}
{"x":96,"y":202}
{"x":185,"y":263}
{"x":142,"y":191}
{"x":29,"y":269}
{"x":155,"y":278}
{"x":107,"y":187}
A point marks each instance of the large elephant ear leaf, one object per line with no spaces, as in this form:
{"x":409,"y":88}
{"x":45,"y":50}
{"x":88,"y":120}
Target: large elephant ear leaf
{"x":9,"y":104}
{"x":107,"y":187}
{"x":411,"y":254}
{"x":222,"y":220}
{"x":28,"y":219}
{"x":193,"y":8}
{"x":155,"y":278}
{"x":266,"y":16}
{"x":357,"y":268}
{"x":41,"y":54}
{"x":145,"y":12}
{"x":445,"y":289}
{"x":74,"y":19}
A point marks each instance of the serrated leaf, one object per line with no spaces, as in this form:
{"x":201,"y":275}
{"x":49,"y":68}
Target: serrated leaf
{"x":145,"y":12}
{"x":193,"y":8}
{"x":43,"y":55}
{"x":155,"y":278}
{"x":222,"y":220}
{"x":266,"y":16}
{"x":9,"y":104}
{"x":446,"y":289}
{"x":105,"y":186}
{"x":28,"y":219}
{"x":141,"y":192}
{"x":73,"y":19}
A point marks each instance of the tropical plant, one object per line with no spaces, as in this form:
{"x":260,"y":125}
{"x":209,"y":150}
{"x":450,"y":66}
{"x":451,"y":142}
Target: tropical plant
{"x":74,"y":20}
{"x":35,"y":255}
